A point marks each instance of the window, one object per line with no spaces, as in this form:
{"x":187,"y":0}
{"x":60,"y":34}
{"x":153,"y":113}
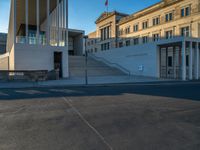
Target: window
{"x":156,"y":21}
{"x":120,"y":32}
{"x":169,"y":17}
{"x":136,"y":41}
{"x":135,"y":28}
{"x":185,"y":11}
{"x":155,"y":37}
{"x":101,"y":47}
{"x":120,"y":44}
{"x":127,"y":30}
{"x":185,"y":31}
{"x":169,"y":34}
{"x":105,"y":46}
{"x":144,"y":39}
{"x":170,"y":61}
{"x":145,"y":25}
{"x":128,"y":43}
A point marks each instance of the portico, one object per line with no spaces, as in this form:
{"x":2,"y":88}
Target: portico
{"x":180,"y":59}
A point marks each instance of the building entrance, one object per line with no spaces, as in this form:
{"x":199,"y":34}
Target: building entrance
{"x":170,"y":62}
{"x":58,"y":62}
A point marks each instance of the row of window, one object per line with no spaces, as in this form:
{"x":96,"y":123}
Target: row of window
{"x":105,"y":46}
{"x":156,"y":21}
{"x":185,"y":31}
{"x":92,"y":42}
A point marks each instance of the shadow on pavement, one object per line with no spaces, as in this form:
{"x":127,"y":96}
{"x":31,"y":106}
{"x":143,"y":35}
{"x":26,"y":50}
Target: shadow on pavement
{"x":183,"y":90}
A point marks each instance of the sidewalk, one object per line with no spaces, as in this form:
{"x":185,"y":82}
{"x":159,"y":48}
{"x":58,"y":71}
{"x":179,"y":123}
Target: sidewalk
{"x":80,"y":81}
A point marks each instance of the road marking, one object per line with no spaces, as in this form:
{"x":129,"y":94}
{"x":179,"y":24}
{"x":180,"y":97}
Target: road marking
{"x":68,"y":101}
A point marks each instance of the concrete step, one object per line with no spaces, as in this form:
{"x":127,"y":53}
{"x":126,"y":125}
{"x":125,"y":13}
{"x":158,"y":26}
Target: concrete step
{"x":94,"y":67}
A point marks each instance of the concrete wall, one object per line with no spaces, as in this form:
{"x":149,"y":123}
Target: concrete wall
{"x":134,"y":58}
{"x":38,"y":57}
{"x":78,"y":45}
{"x":4,"y":61}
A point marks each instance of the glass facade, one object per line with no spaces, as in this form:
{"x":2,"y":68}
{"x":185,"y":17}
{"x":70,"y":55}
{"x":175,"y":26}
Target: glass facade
{"x":41,"y":22}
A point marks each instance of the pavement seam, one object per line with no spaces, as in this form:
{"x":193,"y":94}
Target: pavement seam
{"x":68,"y":101}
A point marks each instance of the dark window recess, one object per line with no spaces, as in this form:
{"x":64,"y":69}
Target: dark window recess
{"x":120,"y":44}
{"x":128,"y":43}
{"x":187,"y":60}
{"x":170,"y":61}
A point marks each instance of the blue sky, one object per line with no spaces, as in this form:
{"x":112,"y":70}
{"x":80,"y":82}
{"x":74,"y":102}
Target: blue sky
{"x":83,"y":13}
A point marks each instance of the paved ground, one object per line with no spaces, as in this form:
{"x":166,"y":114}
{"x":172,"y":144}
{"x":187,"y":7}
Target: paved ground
{"x":74,"y":81}
{"x":153,"y":116}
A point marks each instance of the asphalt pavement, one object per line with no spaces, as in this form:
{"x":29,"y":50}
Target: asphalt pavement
{"x":146,"y":116}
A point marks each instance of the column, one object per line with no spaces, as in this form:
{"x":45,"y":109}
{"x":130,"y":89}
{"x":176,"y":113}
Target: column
{"x":197,"y":61}
{"x":14,"y":15}
{"x":57,"y":20}
{"x":191,"y":62}
{"x":66,"y":22}
{"x":48,"y":26}
{"x":183,"y":61}
{"x":38,"y":22}
{"x":174,"y":61}
{"x":27,"y":40}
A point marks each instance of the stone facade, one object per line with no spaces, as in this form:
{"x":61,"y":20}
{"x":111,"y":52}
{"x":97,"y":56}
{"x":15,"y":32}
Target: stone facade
{"x":166,"y":19}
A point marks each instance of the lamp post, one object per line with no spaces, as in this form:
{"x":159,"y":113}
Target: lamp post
{"x":86,"y":61}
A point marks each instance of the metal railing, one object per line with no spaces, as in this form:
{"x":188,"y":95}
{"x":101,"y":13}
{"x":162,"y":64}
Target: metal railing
{"x":111,"y":64}
{"x":31,"y":40}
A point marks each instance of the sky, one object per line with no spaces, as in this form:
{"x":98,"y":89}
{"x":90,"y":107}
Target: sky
{"x":83,"y":13}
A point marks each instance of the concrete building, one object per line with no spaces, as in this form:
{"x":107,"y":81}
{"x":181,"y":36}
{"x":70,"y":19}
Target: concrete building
{"x":159,"y":41}
{"x":37,"y":36}
{"x":76,"y":42}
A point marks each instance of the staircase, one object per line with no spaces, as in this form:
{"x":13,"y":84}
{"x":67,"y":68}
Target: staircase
{"x":94,"y":67}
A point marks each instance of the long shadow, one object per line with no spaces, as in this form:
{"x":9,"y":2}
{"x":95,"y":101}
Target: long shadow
{"x":181,"y":90}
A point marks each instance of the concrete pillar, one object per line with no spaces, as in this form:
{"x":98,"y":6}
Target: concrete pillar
{"x":191,"y":62}
{"x":38,"y":21}
{"x":27,"y":39}
{"x":48,"y":22}
{"x":183,"y":60}
{"x":197,"y":61}
{"x":66,"y":22}
{"x":57,"y":20}
{"x":14,"y":20}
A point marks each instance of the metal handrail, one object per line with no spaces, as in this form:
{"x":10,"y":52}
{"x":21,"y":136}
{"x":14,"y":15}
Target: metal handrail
{"x":111,"y":63}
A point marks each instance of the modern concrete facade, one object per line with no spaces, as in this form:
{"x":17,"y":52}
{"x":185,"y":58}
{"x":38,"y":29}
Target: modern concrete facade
{"x":38,"y":36}
{"x":76,"y":42}
{"x":160,"y":41}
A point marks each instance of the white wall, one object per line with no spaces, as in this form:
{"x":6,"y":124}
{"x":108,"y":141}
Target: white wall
{"x":133,"y":57}
{"x":38,"y":57}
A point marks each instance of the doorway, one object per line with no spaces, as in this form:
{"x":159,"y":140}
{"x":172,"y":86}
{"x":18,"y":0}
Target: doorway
{"x":58,"y":62}
{"x":170,"y":62}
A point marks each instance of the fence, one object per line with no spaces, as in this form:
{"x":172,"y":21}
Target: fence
{"x":39,"y":75}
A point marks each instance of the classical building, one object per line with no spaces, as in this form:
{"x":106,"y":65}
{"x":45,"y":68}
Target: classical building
{"x":37,"y":36}
{"x":160,"y":41}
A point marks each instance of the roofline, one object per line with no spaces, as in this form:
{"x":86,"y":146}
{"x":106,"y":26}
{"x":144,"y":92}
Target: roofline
{"x":76,"y":30}
{"x":113,"y":13}
{"x":132,"y":18}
